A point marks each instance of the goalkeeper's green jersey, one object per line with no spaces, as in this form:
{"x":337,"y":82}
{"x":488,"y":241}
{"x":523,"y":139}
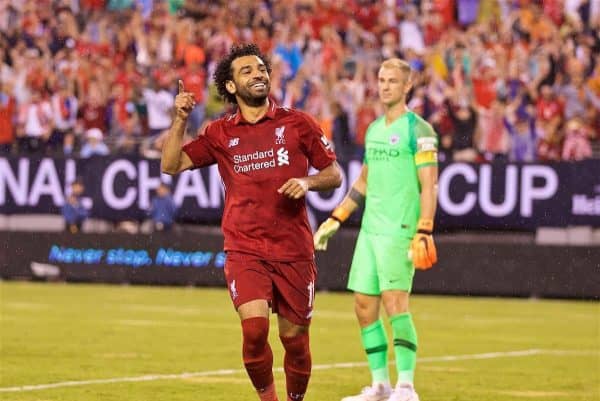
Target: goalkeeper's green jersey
{"x":393,"y":153}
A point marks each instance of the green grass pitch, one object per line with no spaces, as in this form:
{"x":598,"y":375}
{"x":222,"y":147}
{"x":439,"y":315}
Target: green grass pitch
{"x":94,"y":342}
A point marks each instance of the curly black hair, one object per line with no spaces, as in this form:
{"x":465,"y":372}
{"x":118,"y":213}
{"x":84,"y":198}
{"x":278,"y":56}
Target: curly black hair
{"x":223,"y":71}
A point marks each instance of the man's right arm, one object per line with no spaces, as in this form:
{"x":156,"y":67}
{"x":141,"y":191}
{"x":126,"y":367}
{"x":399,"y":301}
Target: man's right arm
{"x":173,"y":159}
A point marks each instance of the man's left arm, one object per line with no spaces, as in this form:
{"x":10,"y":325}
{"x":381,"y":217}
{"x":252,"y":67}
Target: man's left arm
{"x":428,"y":177}
{"x":424,"y":253}
{"x":328,"y":178}
{"x":320,"y":155}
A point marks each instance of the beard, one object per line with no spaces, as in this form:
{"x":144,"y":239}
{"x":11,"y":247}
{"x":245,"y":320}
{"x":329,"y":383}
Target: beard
{"x":250,"y":96}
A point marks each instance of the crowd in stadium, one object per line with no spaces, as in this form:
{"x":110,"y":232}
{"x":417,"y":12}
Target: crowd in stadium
{"x":515,"y":79}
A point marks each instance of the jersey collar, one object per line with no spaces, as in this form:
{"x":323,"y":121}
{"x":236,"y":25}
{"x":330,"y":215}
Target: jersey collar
{"x":238,"y":118}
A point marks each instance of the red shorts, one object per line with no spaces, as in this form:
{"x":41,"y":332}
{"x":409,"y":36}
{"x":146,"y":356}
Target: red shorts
{"x":289,"y":287}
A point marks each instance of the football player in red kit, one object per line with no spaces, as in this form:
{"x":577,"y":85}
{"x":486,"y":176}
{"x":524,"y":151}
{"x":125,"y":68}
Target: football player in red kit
{"x":263,"y":153}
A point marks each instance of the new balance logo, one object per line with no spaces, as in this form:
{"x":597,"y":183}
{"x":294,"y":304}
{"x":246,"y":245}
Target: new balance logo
{"x":282,"y":157}
{"x":279,"y":138}
{"x":325,"y":142}
{"x":234,"y":142}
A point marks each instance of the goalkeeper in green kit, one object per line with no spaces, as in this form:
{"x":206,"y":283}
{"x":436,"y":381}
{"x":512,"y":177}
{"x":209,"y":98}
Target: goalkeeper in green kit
{"x":398,"y":181}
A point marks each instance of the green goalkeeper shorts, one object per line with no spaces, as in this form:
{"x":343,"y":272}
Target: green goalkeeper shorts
{"x":380,"y":263}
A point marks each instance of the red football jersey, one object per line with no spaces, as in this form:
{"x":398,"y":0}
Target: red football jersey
{"x":254,"y":161}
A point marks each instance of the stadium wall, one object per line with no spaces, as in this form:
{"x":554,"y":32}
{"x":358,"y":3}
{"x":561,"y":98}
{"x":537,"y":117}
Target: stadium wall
{"x":498,"y":196}
{"x":467,"y":266}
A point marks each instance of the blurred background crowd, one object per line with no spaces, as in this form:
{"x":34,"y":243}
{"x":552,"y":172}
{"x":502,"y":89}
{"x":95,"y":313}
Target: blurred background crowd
{"x":499,"y":79}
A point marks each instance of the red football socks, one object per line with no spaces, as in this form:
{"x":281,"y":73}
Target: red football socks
{"x":258,"y":357}
{"x":268,"y":393}
{"x":297,"y":365}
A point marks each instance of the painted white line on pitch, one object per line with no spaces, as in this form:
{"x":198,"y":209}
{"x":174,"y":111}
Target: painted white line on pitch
{"x":343,"y":365}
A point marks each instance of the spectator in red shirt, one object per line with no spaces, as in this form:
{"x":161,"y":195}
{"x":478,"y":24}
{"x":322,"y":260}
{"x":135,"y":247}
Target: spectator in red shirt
{"x":433,"y":27}
{"x":484,"y":85}
{"x":366,"y":13}
{"x":263,"y":152}
{"x":129,"y":76}
{"x":263,"y":39}
{"x":549,"y":108}
{"x":549,"y":111}
{"x":93,"y":112}
{"x":446,"y":10}
{"x":7,"y":116}
{"x":93,"y":4}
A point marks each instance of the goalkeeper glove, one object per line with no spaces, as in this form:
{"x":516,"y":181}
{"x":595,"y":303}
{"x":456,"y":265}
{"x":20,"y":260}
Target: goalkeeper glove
{"x":424,"y":254}
{"x":325,"y":231}
{"x":330,"y":227}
